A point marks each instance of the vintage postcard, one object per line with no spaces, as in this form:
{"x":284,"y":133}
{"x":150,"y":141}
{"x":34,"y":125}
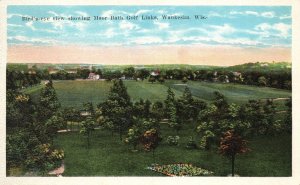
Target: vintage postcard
{"x":109,"y":91}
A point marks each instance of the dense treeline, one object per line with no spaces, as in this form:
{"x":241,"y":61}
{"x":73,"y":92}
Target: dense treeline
{"x":279,"y":78}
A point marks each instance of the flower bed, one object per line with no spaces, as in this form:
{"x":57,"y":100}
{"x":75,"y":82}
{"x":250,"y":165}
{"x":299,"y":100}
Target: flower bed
{"x":180,"y":170}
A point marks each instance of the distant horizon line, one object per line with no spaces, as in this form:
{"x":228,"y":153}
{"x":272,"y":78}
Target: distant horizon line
{"x":270,"y":62}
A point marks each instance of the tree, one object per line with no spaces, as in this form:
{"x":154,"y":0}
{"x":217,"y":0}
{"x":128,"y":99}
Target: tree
{"x":152,"y":79}
{"x":117,"y":109}
{"x":232,"y":144}
{"x":269,"y":116}
{"x":197,"y":105}
{"x":161,"y":79}
{"x":157,"y":111}
{"x":48,"y":102}
{"x":173,"y":119}
{"x":288,"y":119}
{"x":147,"y":106}
{"x":184,"y":79}
{"x":211,"y":127}
{"x":99,"y":72}
{"x":222,"y":105}
{"x":53,"y":125}
{"x":25,"y":149}
{"x":207,"y":131}
{"x":83,"y":73}
{"x":129,"y":72}
{"x":150,"y":140}
{"x":138,"y":108}
{"x":71,"y":115}
{"x":88,"y":126}
{"x":184,"y":105}
{"x":20,"y":110}
{"x":262,"y":81}
{"x":223,"y":78}
{"x":253,"y":113}
{"x":133,"y":136}
{"x":169,"y":100}
{"x":142,"y":74}
{"x":88,"y":107}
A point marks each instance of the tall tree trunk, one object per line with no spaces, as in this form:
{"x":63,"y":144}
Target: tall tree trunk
{"x":232,"y":164}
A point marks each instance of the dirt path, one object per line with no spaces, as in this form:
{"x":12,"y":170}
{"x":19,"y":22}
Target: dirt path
{"x":58,"y":171}
{"x":275,"y":99}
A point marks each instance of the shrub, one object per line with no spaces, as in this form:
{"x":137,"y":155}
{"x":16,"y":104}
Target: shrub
{"x":191,"y":144}
{"x":44,"y":157}
{"x":173,"y":140}
{"x":25,"y":150}
{"x":133,"y":137}
{"x":184,"y":80}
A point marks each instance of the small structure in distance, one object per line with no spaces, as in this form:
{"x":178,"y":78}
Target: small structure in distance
{"x":94,"y":76}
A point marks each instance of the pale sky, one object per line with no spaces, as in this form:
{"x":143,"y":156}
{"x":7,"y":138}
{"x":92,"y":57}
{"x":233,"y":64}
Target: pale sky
{"x":229,"y":35}
{"x":195,"y":55}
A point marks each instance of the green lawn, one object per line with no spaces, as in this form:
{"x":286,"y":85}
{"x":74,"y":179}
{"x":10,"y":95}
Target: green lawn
{"x":108,"y":156}
{"x":74,"y":93}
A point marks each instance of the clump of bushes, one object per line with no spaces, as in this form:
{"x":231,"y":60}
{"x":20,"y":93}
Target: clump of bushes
{"x":25,"y":150}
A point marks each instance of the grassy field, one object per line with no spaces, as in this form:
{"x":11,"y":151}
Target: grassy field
{"x":108,"y":156}
{"x":74,"y":93}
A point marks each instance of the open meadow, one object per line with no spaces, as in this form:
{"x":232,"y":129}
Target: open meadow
{"x":75,"y":93}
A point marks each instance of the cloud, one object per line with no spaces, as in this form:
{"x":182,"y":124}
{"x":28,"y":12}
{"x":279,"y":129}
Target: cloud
{"x":268,"y":14}
{"x":161,"y":25}
{"x":236,"y":41}
{"x":282,"y":30}
{"x":220,"y":40}
{"x":33,"y":28}
{"x":61,"y":24}
{"x":222,"y":30}
{"x":25,"y":39}
{"x":109,"y":33}
{"x":142,"y":12}
{"x":285,"y":17}
{"x":15,"y":25}
{"x":53,"y":13}
{"x":253,"y":13}
{"x":125,"y":25}
{"x":215,"y":14}
{"x":161,"y":12}
{"x":30,"y":25}
{"x":9,"y":16}
{"x":79,"y":25}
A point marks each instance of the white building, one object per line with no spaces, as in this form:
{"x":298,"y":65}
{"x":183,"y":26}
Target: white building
{"x":94,"y":76}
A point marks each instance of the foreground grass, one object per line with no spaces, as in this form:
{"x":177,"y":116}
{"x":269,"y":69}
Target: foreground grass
{"x":108,"y":156}
{"x":75,"y":93}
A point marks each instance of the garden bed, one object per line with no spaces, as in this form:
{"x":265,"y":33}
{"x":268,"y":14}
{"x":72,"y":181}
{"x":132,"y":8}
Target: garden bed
{"x":180,"y":169}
